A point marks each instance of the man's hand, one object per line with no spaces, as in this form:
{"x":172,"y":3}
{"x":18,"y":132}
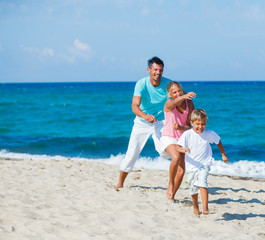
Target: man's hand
{"x":149,"y":118}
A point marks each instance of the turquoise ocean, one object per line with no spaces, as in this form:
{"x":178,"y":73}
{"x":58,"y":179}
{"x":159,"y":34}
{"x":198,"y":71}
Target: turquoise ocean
{"x":93,"y":122}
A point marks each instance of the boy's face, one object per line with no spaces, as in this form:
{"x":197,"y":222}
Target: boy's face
{"x":199,"y":125}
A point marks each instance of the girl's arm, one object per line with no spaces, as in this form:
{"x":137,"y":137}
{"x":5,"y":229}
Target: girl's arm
{"x":191,"y":108}
{"x":188,"y":125}
{"x":170,"y":104}
{"x":176,"y":126}
{"x":221,"y":148}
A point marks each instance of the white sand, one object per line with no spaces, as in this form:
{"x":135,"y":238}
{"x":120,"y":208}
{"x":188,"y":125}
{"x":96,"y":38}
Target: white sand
{"x":77,"y":200}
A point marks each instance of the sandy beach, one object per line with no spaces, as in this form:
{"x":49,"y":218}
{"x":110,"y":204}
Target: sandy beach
{"x":77,"y":200}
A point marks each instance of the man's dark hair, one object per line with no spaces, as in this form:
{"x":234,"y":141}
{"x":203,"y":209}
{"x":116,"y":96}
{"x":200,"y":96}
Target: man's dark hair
{"x":154,"y":60}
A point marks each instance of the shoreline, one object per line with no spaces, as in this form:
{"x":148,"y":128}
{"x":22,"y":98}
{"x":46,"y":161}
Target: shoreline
{"x":218,"y":175}
{"x":54,"y":199}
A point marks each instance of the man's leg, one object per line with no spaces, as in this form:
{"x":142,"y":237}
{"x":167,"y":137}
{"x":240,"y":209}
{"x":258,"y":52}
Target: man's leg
{"x":140,"y":133}
{"x":122,"y":178}
{"x":157,"y":134}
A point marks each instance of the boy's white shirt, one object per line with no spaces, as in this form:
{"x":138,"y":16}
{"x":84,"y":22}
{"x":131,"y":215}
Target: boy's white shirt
{"x":200,"y":149}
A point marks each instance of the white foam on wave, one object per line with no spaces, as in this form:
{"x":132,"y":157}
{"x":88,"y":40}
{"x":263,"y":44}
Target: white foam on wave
{"x":241,"y":168}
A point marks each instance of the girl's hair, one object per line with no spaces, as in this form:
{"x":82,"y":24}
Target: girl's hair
{"x":198,"y":114}
{"x":173,"y":84}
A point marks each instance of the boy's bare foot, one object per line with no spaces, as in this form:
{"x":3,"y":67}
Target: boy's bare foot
{"x":205,"y":211}
{"x":196,"y":211}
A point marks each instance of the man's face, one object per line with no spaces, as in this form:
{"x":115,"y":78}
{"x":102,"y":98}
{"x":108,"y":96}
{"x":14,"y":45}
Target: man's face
{"x":155,"y":73}
{"x":199,"y":126}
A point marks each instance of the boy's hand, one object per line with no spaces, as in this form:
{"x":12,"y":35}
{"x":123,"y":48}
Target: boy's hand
{"x":224,"y":157}
{"x":182,"y":150}
{"x":186,"y":149}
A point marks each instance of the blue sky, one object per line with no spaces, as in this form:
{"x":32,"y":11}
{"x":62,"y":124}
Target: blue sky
{"x":111,"y":40}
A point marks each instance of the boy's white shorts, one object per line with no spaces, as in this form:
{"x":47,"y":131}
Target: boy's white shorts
{"x":198,"y":179}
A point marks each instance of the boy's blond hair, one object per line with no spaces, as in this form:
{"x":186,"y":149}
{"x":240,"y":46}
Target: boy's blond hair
{"x":198,"y":114}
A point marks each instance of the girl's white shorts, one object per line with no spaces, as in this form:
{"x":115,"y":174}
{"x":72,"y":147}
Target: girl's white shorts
{"x":165,"y":141}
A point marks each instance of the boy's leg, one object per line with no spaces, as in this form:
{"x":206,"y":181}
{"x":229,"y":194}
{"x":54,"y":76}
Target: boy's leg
{"x":180,"y":173}
{"x":196,"y":210}
{"x":175,"y":158}
{"x":204,"y":195}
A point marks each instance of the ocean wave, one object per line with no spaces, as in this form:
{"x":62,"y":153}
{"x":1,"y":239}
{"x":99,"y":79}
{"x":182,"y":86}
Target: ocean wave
{"x":242,"y":168}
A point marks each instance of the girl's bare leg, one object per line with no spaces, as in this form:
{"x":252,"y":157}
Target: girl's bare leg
{"x":196,"y":210}
{"x":204,"y":195}
{"x":180,"y":173}
{"x":175,"y":158}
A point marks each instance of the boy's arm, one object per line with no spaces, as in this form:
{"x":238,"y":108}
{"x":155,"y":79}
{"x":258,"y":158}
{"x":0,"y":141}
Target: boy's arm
{"x":182,"y":150}
{"x":221,"y":148}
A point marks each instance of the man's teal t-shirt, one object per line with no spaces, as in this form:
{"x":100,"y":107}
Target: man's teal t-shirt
{"x":153,"y":98}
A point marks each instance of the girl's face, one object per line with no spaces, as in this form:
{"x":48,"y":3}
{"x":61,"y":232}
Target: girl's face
{"x":175,"y":92}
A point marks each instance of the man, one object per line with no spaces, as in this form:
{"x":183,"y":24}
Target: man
{"x":148,"y":102}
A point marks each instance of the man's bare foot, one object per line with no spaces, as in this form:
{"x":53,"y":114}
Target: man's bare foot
{"x":119,"y":185}
{"x":122,"y":178}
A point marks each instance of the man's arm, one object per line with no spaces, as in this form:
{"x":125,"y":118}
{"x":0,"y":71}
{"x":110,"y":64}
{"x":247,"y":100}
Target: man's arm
{"x":138,"y":112}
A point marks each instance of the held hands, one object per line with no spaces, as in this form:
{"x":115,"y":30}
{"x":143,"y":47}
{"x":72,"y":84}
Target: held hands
{"x":224,"y":157}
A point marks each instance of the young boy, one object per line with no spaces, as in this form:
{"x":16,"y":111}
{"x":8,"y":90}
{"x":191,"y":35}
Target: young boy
{"x":195,"y":143}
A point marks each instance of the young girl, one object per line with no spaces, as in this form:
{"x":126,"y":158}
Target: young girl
{"x":177,"y":112}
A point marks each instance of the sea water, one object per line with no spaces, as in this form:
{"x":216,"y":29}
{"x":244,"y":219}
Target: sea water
{"x":93,"y":122}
